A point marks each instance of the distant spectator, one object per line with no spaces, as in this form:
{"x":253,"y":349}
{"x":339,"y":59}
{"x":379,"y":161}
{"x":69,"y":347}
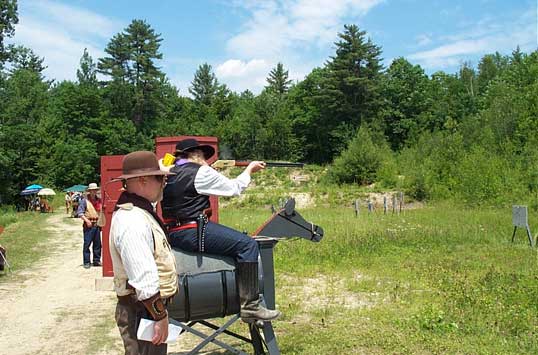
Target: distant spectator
{"x":88,"y":210}
{"x":75,"y":200}
{"x":67,"y":202}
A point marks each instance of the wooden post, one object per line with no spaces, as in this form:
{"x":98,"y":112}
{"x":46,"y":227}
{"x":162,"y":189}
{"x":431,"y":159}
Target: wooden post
{"x":356,"y":205}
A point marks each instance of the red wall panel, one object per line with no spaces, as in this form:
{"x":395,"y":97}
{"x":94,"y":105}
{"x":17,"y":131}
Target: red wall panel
{"x":110,"y":191}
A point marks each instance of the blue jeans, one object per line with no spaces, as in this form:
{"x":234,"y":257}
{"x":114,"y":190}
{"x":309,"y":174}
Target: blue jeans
{"x":219,"y":240}
{"x":92,"y":236}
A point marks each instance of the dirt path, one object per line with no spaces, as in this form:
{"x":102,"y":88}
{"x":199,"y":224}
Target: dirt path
{"x":55,"y":301}
{"x":54,"y":308}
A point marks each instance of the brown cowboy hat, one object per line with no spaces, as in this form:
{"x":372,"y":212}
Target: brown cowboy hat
{"x":140,"y":163}
{"x":190,"y":144}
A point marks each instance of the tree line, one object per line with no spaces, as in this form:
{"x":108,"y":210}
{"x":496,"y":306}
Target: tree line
{"x":469,"y":135}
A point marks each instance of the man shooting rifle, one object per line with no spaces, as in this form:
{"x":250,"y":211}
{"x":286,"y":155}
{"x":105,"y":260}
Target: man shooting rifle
{"x":186,"y":211}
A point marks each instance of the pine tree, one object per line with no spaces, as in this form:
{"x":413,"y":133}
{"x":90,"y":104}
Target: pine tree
{"x":204,"y":86}
{"x":8,"y":19}
{"x":278,"y":80}
{"x":22,"y":57}
{"x":86,"y":74}
{"x":116,"y":65}
{"x":348,"y":94}
{"x":144,"y":46}
{"x":354,"y":75}
{"x":136,"y":80}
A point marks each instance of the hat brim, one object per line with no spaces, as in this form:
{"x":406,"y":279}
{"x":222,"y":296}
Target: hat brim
{"x":92,"y":188}
{"x":143,"y":173}
{"x":206,"y":149}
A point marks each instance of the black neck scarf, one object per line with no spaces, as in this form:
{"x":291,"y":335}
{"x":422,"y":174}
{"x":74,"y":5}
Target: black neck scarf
{"x":140,"y":202}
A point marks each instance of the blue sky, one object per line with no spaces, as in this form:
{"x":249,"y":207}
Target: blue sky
{"x":244,"y":39}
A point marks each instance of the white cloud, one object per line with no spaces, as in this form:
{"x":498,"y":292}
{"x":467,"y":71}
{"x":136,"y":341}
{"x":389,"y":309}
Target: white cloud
{"x":239,"y":75}
{"x":278,"y":26}
{"x":283,"y":30}
{"x":487,"y":36}
{"x":59,"y":33}
{"x":75,"y":19}
{"x":423,"y":40}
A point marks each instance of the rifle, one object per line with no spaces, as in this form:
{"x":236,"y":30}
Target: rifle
{"x":219,"y":164}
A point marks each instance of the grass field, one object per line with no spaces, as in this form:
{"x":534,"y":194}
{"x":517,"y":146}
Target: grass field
{"x":23,"y":238}
{"x":442,"y":279}
{"x":436,"y":280}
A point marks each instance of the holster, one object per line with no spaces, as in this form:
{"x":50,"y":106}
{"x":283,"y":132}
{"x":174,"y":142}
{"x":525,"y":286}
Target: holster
{"x":201,"y":223}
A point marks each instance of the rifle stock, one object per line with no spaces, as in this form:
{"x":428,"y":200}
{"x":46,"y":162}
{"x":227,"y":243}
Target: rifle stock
{"x":220,"y":164}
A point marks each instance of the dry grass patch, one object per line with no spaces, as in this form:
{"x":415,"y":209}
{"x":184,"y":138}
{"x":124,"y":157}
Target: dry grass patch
{"x":322,"y":292}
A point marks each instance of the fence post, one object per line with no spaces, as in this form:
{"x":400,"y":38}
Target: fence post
{"x":356,"y":205}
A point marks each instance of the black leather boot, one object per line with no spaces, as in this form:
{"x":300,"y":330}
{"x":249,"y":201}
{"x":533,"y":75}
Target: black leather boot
{"x":251,"y":308}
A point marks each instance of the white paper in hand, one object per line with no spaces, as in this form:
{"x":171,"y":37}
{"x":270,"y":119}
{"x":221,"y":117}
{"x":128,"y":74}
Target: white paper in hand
{"x":145,"y":331}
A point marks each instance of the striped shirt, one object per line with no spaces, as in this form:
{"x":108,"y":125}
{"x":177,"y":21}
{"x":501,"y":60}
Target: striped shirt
{"x":133,"y":239}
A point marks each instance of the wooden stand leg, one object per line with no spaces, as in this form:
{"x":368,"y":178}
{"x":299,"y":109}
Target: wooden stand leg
{"x":514,"y":234}
{"x":529,"y":235}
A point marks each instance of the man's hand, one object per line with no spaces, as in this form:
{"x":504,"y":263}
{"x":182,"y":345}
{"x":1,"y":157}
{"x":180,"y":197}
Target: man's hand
{"x":160,"y":331}
{"x":255,"y":166}
{"x":87,"y":222}
{"x":164,"y":167}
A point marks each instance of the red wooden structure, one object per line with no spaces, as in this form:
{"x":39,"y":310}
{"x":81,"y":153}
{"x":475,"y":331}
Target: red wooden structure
{"x":110,"y":191}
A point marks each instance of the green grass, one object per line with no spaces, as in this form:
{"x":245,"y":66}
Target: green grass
{"x":443,"y":279}
{"x":439,"y":280}
{"x":7,"y":217}
{"x":24,"y":239}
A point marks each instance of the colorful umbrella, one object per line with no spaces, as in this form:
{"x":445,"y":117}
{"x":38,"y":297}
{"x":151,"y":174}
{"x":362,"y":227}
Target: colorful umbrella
{"x":76,"y":188}
{"x":46,"y":192}
{"x":31,"y":189}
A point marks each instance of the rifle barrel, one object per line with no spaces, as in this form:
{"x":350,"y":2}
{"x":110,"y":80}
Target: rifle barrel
{"x":274,"y":164}
{"x":283,"y":164}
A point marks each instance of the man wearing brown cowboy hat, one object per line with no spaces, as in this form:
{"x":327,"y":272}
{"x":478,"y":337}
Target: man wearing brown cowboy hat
{"x":145,"y":276}
{"x":185,"y":208}
{"x":88,"y":210}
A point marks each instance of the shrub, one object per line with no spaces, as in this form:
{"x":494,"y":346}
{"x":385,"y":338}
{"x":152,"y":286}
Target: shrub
{"x":362,"y":159}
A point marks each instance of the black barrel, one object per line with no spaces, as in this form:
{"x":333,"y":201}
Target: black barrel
{"x":204,"y":296}
{"x":207,"y":287}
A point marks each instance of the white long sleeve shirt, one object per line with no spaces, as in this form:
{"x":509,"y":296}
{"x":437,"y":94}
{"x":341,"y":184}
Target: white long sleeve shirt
{"x":134,"y":242}
{"x":208,"y":181}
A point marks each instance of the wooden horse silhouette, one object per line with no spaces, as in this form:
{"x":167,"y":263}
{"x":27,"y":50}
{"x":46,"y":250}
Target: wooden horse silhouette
{"x":207,"y":285}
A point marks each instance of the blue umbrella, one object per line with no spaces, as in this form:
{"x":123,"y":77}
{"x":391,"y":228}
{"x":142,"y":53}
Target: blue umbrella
{"x":31,"y":189}
{"x":34,"y":187}
{"x":26,"y":192}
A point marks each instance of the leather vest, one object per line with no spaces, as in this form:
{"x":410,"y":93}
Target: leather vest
{"x":181,"y":201}
{"x":164,"y":258}
{"x":92,"y":209}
